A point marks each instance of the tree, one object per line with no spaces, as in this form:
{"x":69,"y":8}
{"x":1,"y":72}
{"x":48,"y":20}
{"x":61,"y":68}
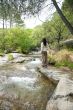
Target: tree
{"x":59,"y":28}
{"x":69,"y":2}
{"x":36,"y":6}
{"x":16,"y":39}
{"x":67,"y":23}
{"x":9,"y":12}
{"x":68,"y":11}
{"x":26,"y":7}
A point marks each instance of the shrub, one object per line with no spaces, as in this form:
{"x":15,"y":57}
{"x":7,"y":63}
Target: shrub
{"x":18,"y":50}
{"x":19,"y":39}
{"x":10,"y":57}
{"x":1,"y":54}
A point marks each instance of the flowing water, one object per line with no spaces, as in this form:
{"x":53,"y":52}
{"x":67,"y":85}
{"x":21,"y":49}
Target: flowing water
{"x":23,"y":88}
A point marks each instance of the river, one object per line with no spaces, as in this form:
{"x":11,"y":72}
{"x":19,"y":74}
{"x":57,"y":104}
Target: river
{"x":22,"y":87}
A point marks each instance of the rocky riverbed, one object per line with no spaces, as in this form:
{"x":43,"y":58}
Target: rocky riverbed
{"x":25,"y":85}
{"x":22,"y":87}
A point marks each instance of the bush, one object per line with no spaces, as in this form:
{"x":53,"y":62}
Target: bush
{"x":18,"y":50}
{"x":1,"y":54}
{"x":10,"y":57}
{"x":16,"y":39}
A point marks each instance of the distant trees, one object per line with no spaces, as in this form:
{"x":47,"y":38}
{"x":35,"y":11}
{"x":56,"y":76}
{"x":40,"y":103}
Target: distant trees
{"x":55,"y":31}
{"x":16,"y":39}
{"x":9,"y":13}
{"x":24,"y":40}
{"x":13,"y":8}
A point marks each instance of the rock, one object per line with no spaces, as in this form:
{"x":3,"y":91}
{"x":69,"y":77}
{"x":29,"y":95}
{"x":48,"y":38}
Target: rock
{"x":53,"y":75}
{"x":68,"y":43}
{"x":64,"y":87}
{"x":62,"y":98}
{"x":60,"y":104}
{"x":21,"y":59}
{"x":18,"y":60}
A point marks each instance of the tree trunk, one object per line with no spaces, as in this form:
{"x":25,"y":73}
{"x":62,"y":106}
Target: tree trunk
{"x":3,"y":23}
{"x":67,"y":23}
{"x":10,"y":17}
{"x":10,"y":22}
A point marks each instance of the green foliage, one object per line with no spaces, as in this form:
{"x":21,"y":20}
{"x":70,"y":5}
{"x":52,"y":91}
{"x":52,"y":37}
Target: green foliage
{"x":25,"y":40}
{"x":16,"y":39}
{"x":10,"y":57}
{"x":68,"y":10}
{"x":1,"y":54}
{"x":54,"y":30}
{"x":69,"y":2}
{"x":37,"y":35}
{"x":64,"y":64}
{"x":19,"y":50}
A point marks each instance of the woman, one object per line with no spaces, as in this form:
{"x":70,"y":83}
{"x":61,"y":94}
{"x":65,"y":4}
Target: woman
{"x":44,"y":48}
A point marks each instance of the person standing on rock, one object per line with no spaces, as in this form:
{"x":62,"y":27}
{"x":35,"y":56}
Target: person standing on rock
{"x":44,"y":48}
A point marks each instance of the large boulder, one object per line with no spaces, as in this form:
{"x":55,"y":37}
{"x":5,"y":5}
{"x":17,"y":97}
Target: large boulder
{"x":68,"y":43}
{"x":62,"y":98}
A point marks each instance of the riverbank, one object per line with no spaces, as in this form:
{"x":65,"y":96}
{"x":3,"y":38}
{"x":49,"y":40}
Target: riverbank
{"x":62,"y":97}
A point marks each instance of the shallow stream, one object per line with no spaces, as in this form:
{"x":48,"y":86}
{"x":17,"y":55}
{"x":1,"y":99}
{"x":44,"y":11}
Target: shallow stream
{"x":23,"y":88}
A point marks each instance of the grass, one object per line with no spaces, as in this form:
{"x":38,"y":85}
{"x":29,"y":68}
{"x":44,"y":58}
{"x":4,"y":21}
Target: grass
{"x":64,"y":64}
{"x":61,"y":59}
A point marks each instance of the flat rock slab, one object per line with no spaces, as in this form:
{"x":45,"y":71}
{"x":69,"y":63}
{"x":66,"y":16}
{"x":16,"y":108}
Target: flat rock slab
{"x":60,"y":104}
{"x":62,"y":99}
{"x":64,"y":87}
{"x":54,"y":75}
{"x":21,"y":59}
